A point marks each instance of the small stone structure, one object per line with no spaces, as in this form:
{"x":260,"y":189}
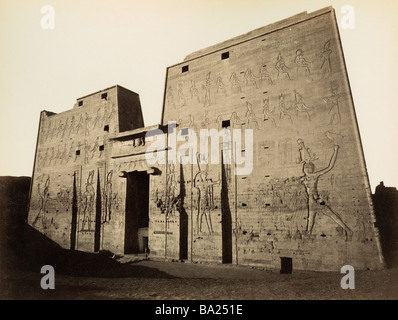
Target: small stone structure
{"x":304,"y":203}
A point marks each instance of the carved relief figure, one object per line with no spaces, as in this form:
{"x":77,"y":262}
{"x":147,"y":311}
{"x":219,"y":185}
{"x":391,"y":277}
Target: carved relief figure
{"x":44,"y":195}
{"x":206,"y":86}
{"x":219,"y":122}
{"x":235,"y":83}
{"x":325,"y":56}
{"x":112,"y":114}
{"x":63,"y":154}
{"x":221,"y":87}
{"x":250,"y":78}
{"x":235,"y":121}
{"x":71,"y":126}
{"x":283,"y":110}
{"x":94,"y":148}
{"x":205,"y":200}
{"x":63,"y":198}
{"x":170,"y":97}
{"x":301,"y":62}
{"x":191,"y":124}
{"x":87,"y":120}
{"x":264,"y":74}
{"x":250,"y":116}
{"x":333,"y":103}
{"x":194,"y":91}
{"x":317,"y":205}
{"x":181,"y":97}
{"x":105,"y":116}
{"x":281,"y":67}
{"x":65,"y":127}
{"x":79,"y":124}
{"x":108,"y":198}
{"x":333,"y":137}
{"x":267,"y":112}
{"x":88,"y":199}
{"x":168,"y":200}
{"x":300,"y":105}
{"x":97,"y":119}
{"x":206,"y":122}
{"x":172,"y":190}
{"x":70,"y":152}
{"x":86,"y":151}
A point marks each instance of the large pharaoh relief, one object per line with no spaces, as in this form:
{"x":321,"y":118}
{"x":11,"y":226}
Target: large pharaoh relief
{"x":316,"y":204}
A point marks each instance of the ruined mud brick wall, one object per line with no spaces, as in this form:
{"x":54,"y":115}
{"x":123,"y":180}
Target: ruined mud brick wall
{"x":75,"y":196}
{"x":288,"y":83}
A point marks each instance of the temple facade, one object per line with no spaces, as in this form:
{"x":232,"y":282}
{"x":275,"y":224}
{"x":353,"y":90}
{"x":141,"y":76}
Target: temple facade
{"x":257,"y":160}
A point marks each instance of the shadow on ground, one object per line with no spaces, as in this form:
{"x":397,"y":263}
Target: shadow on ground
{"x":24,"y":250}
{"x":22,"y":258}
{"x":31,"y":250}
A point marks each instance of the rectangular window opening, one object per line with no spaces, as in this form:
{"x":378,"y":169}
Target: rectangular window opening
{"x":77,"y":152}
{"x":185,"y":69}
{"x":226,"y":123}
{"x":104,"y":96}
{"x":80,"y":103}
{"x":286,"y":265}
{"x":106,"y":128}
{"x":101,"y":148}
{"x":225,"y":55}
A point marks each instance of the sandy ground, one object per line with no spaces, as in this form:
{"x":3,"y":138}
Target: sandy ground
{"x":161,"y":280}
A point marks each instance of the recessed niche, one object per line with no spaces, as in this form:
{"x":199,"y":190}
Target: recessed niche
{"x":226,"y":123}
{"x":225,"y":55}
{"x":184,"y":69}
{"x":286,"y":265}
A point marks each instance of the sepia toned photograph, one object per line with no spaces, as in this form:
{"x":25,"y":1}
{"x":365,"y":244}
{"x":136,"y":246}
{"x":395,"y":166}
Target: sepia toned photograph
{"x":216,"y":152}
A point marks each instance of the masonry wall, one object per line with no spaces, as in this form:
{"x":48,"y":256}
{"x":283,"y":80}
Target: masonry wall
{"x":76,"y":197}
{"x":306,"y":196}
{"x":129,"y":110}
{"x":287,"y":83}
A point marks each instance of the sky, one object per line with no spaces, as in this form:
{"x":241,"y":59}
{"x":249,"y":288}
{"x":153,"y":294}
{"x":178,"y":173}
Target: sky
{"x":95,"y":44}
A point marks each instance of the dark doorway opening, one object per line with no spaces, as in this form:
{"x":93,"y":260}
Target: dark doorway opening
{"x":137,"y":217}
{"x":286,"y":265}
